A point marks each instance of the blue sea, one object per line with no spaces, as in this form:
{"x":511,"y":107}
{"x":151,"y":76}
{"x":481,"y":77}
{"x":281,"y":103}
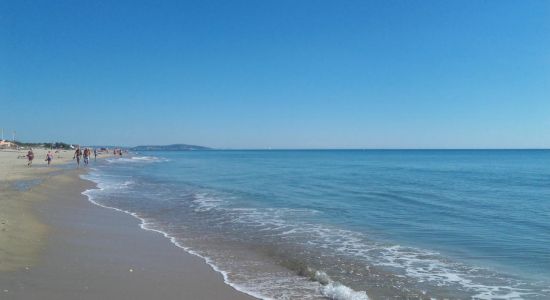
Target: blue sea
{"x":348,"y":224}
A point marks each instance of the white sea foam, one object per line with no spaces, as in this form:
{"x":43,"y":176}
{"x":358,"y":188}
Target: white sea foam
{"x":428,"y":266}
{"x":337,"y":291}
{"x":137,"y":159}
{"x":322,"y":277}
{"x":206,"y":202}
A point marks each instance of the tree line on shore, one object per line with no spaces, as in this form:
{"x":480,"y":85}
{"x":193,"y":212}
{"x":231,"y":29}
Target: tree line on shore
{"x":55,"y":145}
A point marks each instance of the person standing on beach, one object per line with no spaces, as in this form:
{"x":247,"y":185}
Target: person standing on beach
{"x":49,"y":157}
{"x":95,"y":154}
{"x":77,"y":154}
{"x":86,"y":155}
{"x":30,"y":157}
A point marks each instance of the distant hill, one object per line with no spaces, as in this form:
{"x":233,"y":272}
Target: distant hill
{"x":175,"y":147}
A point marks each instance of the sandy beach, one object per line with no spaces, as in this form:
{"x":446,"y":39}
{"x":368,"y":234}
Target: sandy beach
{"x":55,"y":244}
{"x":21,"y":234}
{"x":14,"y":164}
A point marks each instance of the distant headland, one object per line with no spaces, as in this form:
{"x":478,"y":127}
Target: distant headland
{"x":174,"y":147}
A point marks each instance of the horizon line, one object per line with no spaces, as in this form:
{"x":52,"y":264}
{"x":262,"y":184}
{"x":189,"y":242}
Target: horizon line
{"x":328,"y":149}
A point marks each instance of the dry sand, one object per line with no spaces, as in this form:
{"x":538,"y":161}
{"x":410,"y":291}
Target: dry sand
{"x":54,"y":244}
{"x":13,"y":163}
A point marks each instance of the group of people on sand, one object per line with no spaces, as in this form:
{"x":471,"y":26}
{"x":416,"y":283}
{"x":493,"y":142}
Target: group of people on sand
{"x":83,"y":154}
{"x":78,"y":154}
{"x":86,"y":153}
{"x":30,"y":157}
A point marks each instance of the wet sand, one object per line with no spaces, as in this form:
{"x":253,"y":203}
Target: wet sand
{"x":57,"y":245}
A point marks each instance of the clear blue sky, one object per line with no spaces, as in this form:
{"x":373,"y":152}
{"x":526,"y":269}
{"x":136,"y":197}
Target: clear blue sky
{"x":281,"y":74}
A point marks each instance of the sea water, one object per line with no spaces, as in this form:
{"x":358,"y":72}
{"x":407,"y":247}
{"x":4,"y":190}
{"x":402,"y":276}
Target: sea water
{"x":348,"y":224}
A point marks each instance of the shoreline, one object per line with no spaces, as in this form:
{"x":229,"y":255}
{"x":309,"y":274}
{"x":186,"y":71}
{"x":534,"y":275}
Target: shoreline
{"x":143,"y":226}
{"x":84,"y":251}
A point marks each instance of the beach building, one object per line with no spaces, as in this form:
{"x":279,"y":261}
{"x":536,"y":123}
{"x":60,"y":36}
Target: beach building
{"x":5,"y":144}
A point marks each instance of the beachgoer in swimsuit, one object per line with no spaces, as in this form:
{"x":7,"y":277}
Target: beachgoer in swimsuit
{"x":95,"y":154}
{"x":30,"y":157}
{"x":86,"y":155}
{"x":49,"y":157}
{"x":77,"y":155}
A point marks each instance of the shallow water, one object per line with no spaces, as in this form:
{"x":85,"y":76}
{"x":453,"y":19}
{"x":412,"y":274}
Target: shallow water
{"x":349,"y":224}
{"x":25,"y":184}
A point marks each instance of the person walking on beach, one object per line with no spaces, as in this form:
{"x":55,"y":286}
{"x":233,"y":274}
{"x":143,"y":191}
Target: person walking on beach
{"x":49,"y":157}
{"x":95,"y":154}
{"x":77,"y":154}
{"x":30,"y":157}
{"x":86,"y":155}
